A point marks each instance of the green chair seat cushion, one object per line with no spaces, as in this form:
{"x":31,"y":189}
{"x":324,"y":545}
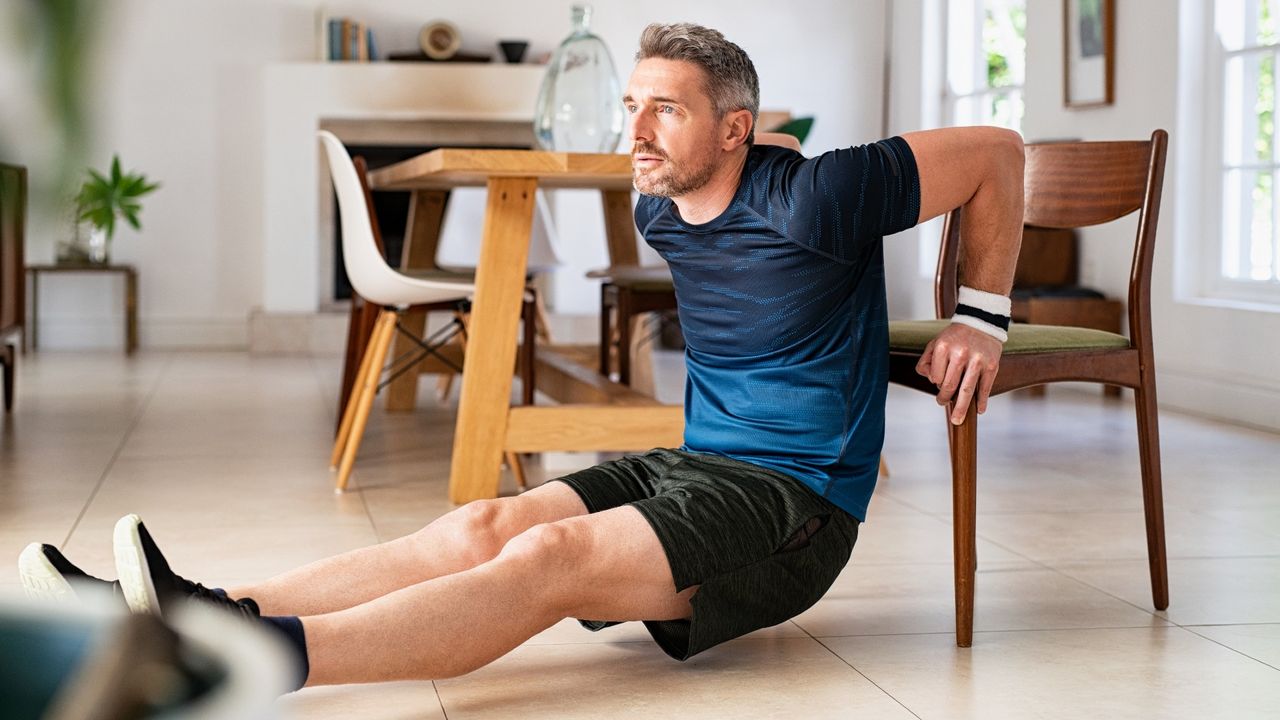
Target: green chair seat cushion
{"x":914,"y":335}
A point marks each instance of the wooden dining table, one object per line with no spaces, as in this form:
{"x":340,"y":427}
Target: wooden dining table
{"x":592,"y":413}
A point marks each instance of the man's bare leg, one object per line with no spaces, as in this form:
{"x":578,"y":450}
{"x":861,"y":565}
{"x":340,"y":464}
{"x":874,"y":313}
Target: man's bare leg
{"x":460,"y":540}
{"x":605,"y":566}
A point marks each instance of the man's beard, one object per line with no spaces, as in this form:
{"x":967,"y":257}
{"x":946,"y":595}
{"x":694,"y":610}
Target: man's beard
{"x":670,"y":179}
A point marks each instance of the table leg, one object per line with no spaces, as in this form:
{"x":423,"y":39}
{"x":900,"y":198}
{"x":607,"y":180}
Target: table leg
{"x":130,"y":312}
{"x":421,"y":239}
{"x":620,"y":227}
{"x":485,"y":401}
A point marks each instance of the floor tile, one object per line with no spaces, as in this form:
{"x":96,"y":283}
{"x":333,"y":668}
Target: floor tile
{"x":890,"y":599}
{"x":1158,"y":672}
{"x":750,"y":677}
{"x":1260,"y":642}
{"x":1204,"y":591}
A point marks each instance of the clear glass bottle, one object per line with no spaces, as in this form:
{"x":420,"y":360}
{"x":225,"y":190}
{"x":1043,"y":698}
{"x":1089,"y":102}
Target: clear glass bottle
{"x":580,"y":103}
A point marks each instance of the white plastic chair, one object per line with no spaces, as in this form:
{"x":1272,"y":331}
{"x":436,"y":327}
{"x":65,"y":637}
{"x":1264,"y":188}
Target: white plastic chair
{"x":380,"y":284}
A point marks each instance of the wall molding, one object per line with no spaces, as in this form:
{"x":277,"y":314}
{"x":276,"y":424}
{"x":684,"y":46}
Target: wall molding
{"x":1237,"y":399}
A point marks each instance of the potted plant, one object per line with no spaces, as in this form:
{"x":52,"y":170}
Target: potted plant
{"x":105,"y":198}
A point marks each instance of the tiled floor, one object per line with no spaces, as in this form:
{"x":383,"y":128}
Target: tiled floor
{"x":225,"y":456}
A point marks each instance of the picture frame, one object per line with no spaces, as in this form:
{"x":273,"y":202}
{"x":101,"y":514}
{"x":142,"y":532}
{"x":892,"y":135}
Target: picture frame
{"x":1088,"y":52}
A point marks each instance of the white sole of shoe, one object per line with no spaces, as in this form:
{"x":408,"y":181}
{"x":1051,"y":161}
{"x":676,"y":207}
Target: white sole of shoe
{"x":132,"y":568}
{"x":40,"y":579}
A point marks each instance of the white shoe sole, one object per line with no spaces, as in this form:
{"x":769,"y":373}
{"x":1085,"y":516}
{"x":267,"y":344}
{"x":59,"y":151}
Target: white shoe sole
{"x":132,"y":568}
{"x":40,"y":579}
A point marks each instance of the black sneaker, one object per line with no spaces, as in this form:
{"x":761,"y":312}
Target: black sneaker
{"x":148,"y":583}
{"x":48,"y":575}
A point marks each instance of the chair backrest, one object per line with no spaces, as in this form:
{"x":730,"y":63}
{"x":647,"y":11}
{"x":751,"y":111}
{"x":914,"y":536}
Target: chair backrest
{"x":367,"y":269}
{"x":1078,"y":184}
{"x":13,"y":210}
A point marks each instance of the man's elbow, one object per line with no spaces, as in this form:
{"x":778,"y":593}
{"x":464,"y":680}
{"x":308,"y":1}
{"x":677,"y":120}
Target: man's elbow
{"x":1008,"y":152}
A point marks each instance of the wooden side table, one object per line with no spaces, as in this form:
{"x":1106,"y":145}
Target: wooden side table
{"x":130,"y":297}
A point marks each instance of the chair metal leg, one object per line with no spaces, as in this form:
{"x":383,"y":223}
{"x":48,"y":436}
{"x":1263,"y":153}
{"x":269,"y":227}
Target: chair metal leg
{"x":964,"y":472}
{"x":1152,"y":494}
{"x":368,"y":387}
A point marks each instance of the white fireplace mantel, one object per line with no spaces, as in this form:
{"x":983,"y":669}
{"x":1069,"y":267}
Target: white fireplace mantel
{"x":299,"y":98}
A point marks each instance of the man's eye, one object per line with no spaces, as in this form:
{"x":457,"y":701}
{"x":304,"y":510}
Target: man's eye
{"x":631,"y":108}
{"x":666,"y":109}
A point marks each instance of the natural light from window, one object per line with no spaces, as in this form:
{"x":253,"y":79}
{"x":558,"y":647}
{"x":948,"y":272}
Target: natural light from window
{"x":986,"y":62}
{"x":1247,"y":33}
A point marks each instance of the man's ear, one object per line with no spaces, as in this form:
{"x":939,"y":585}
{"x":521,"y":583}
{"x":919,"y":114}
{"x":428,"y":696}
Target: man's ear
{"x":737,"y":125}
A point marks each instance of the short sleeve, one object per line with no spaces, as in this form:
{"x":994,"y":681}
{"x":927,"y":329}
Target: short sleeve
{"x":845,"y":200}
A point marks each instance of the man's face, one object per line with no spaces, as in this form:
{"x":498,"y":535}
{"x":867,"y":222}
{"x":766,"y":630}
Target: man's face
{"x":674,"y":131}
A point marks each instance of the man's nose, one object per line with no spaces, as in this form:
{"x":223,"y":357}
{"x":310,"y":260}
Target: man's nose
{"x":639,"y":129}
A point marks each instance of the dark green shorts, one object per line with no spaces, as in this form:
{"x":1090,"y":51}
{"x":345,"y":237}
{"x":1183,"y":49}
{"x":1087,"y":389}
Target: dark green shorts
{"x":761,"y":546}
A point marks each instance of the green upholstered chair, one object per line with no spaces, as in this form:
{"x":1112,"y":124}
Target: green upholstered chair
{"x":1067,"y":185}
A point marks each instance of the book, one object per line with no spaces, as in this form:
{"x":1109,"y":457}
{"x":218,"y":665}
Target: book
{"x":335,"y":39}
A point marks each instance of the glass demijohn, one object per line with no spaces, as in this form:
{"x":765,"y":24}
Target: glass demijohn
{"x":580,"y":103}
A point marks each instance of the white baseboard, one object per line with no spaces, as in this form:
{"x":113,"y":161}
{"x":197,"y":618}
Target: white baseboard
{"x":322,"y":334}
{"x":1249,"y":401}
{"x":153,"y":333}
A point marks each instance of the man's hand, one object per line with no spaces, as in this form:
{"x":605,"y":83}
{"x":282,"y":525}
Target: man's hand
{"x":959,"y":361}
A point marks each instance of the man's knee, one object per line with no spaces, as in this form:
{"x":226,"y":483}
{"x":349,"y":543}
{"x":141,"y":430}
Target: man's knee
{"x":476,"y":531}
{"x":554,"y":548}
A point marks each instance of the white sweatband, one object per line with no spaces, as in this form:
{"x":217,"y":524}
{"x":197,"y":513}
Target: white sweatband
{"x":983,"y":311}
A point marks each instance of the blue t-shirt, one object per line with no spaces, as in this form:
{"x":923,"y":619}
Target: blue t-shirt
{"x":782,"y":304}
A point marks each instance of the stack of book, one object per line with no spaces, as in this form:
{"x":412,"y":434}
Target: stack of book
{"x":350,"y":40}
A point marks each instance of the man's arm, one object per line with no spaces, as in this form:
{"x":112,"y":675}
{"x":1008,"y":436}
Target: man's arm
{"x":979,"y":168}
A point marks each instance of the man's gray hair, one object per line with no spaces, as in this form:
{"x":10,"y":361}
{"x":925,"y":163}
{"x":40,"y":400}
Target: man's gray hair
{"x":729,"y":77}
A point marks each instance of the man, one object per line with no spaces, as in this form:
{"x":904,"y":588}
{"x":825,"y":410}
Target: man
{"x":778,"y":267}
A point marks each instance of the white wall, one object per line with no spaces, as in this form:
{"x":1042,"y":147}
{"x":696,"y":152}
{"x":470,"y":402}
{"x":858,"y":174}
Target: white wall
{"x":176,"y":98}
{"x":1211,"y":360}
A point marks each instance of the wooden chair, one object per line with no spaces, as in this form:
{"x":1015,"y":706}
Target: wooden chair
{"x":1068,"y":185}
{"x":13,"y":206}
{"x":387,"y":293}
{"x":628,"y":291}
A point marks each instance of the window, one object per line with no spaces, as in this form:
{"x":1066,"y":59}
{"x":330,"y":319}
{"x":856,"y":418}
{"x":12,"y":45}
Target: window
{"x":985,"y":67}
{"x":986,"y":62}
{"x":1248,"y":254}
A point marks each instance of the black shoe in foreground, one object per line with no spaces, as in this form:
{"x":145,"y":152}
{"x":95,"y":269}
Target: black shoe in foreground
{"x":149,"y":584}
{"x":48,"y":575}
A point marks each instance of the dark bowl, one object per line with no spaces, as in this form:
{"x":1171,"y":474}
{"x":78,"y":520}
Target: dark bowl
{"x":513,"y":50}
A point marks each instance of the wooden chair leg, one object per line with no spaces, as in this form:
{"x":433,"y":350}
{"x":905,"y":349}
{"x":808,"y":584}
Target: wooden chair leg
{"x":377,"y":355}
{"x":359,"y":330}
{"x":606,"y":330}
{"x":528,"y":344}
{"x":1152,"y":493}
{"x":517,"y":470}
{"x":624,"y":313}
{"x":349,"y":407}
{"x":542,"y":322}
{"x":884,"y":468}
{"x":964,"y":470}
{"x":8,"y":361}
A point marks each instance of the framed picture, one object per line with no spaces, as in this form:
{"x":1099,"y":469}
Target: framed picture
{"x":1089,"y":51}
